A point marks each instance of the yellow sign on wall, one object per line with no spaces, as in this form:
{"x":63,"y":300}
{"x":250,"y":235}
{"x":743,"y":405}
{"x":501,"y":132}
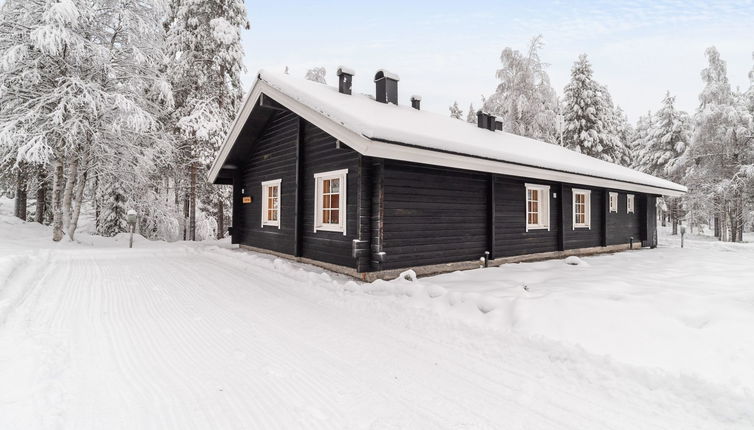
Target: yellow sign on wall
{"x":247,"y":199}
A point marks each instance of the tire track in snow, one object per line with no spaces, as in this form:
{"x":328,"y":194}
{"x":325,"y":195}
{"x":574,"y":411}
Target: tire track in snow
{"x":194,"y":339}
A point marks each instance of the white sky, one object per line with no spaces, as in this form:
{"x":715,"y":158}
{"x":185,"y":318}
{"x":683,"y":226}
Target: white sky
{"x":448,"y":51}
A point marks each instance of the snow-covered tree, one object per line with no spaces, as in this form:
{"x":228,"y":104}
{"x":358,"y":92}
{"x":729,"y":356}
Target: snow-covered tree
{"x":524,"y":100}
{"x":667,"y":138}
{"x":587,"y":113}
{"x":471,"y":116}
{"x":113,"y":208}
{"x":316,"y":74}
{"x":455,"y":111}
{"x":205,"y":62}
{"x":720,"y":158}
{"x":78,"y":79}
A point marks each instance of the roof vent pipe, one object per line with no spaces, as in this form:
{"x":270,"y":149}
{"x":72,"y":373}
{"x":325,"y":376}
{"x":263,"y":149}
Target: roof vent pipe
{"x":387,"y":86}
{"x":416,"y":102}
{"x":345,"y":79}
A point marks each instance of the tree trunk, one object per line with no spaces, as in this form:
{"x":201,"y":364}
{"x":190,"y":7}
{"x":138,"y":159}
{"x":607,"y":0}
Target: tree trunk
{"x":39,"y":216}
{"x":76,"y":204}
{"x":663,"y":218}
{"x":21,"y":196}
{"x":192,"y":199}
{"x":220,"y":219}
{"x":70,"y":184}
{"x":716,"y":221}
{"x":57,"y":200}
{"x":675,"y":225}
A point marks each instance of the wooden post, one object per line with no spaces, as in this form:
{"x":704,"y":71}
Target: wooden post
{"x":492,"y":211}
{"x":298,"y":210}
{"x":605,"y":213}
{"x":561,"y":218}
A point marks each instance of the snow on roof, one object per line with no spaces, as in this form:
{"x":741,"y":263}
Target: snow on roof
{"x":382,"y":73}
{"x":346,"y":70}
{"x":388,"y":122}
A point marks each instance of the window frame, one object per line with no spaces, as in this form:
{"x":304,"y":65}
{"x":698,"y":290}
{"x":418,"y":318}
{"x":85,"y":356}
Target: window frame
{"x":266,"y":185}
{"x":587,"y":208}
{"x":543,"y":207}
{"x":613,"y":201}
{"x":319,"y":178}
{"x":630,"y":203}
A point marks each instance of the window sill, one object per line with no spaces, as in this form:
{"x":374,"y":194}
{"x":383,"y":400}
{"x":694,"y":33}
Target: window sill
{"x":335,"y":228}
{"x":588,"y":227}
{"x":539,"y":227}
{"x":271,"y":225}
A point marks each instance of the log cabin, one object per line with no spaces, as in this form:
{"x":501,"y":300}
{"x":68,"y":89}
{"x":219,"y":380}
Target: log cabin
{"x":361,"y":185}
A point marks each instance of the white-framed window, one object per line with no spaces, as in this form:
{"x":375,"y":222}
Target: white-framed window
{"x":582,"y":208}
{"x":330,"y":201}
{"x":614,"y":202}
{"x":537,"y":207}
{"x":271,"y":203}
{"x":630,"y":203}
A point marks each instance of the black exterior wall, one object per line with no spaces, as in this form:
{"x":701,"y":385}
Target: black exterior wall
{"x":402,"y":214}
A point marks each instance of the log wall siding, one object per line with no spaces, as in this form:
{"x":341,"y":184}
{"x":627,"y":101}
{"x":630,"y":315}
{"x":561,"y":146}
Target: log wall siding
{"x":320,"y":154}
{"x":511,"y":237}
{"x":273,"y":157}
{"x":432,"y":215}
{"x":402,"y":214}
{"x":581,"y":237}
{"x":622,"y":226}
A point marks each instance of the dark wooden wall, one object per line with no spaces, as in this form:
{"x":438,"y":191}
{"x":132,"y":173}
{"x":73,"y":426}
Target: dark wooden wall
{"x":432,"y":215}
{"x":320,"y":154}
{"x":273,"y":157}
{"x":623,"y":226}
{"x":582,"y":237}
{"x":511,"y":237}
{"x":276,"y":156}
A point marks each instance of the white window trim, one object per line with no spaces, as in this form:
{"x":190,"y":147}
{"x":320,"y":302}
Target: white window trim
{"x":613,"y":202}
{"x":265,"y":187}
{"x":318,"y":178}
{"x":587,"y":208}
{"x":630,"y":203}
{"x":544,"y":207}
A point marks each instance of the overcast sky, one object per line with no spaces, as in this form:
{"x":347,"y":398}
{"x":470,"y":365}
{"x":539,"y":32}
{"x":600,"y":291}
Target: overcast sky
{"x":448,"y":51}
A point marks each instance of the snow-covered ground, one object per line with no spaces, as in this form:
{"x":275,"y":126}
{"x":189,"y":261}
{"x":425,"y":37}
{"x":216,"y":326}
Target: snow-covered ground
{"x":183,"y":336}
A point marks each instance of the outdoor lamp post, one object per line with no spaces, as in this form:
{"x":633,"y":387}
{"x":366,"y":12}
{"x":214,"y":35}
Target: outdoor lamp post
{"x":683,"y":232}
{"x":131,"y":219}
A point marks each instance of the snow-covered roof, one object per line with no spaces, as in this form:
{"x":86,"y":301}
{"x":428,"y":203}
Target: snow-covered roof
{"x":400,"y":132}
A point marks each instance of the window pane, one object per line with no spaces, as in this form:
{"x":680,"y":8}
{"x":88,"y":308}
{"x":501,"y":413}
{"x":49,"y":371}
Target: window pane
{"x":325,"y":217}
{"x":274,"y":191}
{"x":335,"y":201}
{"x":326,"y":202}
{"x":335,"y":185}
{"x":334,"y":216}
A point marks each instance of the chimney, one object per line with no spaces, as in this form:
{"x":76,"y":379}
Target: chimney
{"x":387,"y":86}
{"x":416,"y":102}
{"x":484,"y":120}
{"x":345,"y":78}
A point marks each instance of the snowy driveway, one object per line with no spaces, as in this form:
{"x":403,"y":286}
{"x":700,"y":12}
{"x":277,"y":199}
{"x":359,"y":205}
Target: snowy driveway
{"x":205,"y":338}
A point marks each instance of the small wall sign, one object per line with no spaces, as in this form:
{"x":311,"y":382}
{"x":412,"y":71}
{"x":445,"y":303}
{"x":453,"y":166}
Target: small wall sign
{"x":247,"y":200}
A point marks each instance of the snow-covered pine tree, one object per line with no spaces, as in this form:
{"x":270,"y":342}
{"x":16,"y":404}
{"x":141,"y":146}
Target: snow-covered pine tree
{"x":666,"y":142}
{"x":585,"y":112}
{"x":455,"y":111}
{"x":113,"y":208}
{"x":624,"y":132}
{"x":639,"y":139}
{"x":613,"y":147}
{"x":471,"y":116}
{"x":667,"y":138}
{"x":205,"y":62}
{"x":720,"y":150}
{"x":524,"y":100}
{"x":317,"y":74}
